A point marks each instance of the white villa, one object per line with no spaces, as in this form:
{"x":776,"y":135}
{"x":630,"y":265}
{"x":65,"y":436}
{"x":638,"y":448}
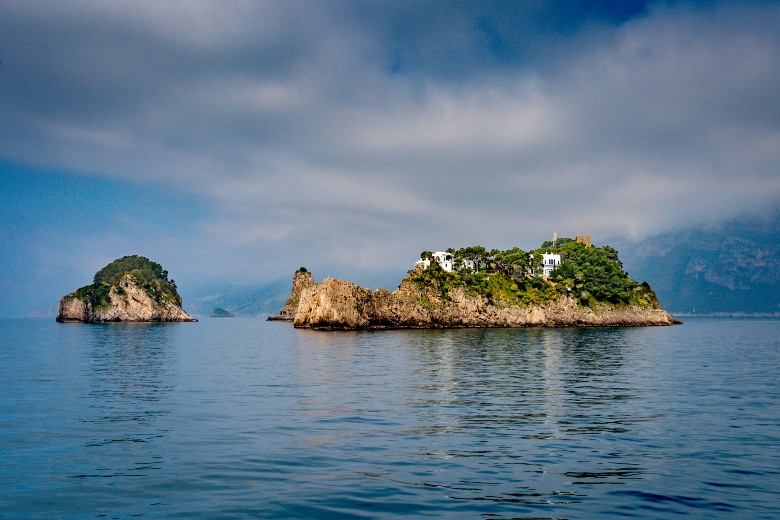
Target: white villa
{"x":443,"y":258}
{"x":549,"y":262}
{"x":468,"y":263}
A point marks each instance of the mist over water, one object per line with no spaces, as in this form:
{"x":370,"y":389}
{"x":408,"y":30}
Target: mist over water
{"x":245,"y":418}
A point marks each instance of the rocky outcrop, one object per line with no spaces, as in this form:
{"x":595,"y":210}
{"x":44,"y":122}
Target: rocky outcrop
{"x":339,"y":305}
{"x":126,"y":301}
{"x":301,"y":280}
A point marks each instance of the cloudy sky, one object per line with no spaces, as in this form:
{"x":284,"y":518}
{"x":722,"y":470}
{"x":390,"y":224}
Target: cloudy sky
{"x":237,"y":141}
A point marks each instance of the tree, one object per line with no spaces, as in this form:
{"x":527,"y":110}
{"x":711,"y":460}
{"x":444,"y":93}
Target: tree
{"x":476,"y":254}
{"x":591,"y":275}
{"x":146,"y":273}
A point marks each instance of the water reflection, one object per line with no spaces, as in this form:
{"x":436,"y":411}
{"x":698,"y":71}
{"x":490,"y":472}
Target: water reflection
{"x":132,"y":368}
{"x":523,"y":398}
{"x":131,"y":371}
{"x":226,"y":420}
{"x":559,"y":370}
{"x":583,"y":380}
{"x":340,"y":382}
{"x":531,"y":416}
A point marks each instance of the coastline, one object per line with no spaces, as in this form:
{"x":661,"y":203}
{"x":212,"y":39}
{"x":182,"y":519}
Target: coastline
{"x":340,"y":305}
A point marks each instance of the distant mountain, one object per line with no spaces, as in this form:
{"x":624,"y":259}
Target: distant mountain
{"x":268,"y":299}
{"x":733,"y":270}
{"x":242,"y":300}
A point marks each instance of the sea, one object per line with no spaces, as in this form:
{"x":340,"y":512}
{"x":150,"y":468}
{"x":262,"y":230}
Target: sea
{"x":244,"y":418}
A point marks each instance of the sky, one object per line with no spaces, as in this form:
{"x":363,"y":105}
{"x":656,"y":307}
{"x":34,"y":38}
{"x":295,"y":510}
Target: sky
{"x":237,"y":141}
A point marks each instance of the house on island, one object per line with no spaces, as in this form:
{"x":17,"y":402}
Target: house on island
{"x":468,"y":263}
{"x":442,"y":258}
{"x":550,"y":261}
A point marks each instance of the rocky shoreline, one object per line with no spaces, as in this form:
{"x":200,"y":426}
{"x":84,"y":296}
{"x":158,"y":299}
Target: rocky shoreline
{"x":340,"y":305}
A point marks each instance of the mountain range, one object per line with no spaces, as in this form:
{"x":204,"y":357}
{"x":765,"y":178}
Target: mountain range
{"x":733,"y":269}
{"x":242,"y":300}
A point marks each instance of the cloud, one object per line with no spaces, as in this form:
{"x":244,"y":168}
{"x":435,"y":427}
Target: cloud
{"x":365,"y":130}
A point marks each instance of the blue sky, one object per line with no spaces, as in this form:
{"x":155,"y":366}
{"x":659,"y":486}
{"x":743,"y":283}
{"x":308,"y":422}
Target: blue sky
{"x":238,"y":141}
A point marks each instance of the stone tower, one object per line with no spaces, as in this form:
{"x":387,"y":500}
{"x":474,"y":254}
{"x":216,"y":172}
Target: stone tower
{"x":584,"y":239}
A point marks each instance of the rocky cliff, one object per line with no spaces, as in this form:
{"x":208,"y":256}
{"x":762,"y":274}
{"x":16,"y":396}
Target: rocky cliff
{"x":339,"y":305}
{"x":301,"y":280}
{"x":125,"y":301}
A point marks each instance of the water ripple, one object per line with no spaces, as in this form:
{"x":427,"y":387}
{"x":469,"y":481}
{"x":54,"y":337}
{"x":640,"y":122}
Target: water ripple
{"x":223,"y":419}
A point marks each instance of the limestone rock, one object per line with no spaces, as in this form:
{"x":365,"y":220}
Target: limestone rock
{"x":301,"y":280}
{"x":126,"y":302}
{"x":339,"y":305}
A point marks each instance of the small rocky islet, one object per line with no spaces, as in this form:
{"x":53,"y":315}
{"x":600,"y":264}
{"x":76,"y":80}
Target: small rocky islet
{"x":129,"y":289}
{"x":565,"y":283}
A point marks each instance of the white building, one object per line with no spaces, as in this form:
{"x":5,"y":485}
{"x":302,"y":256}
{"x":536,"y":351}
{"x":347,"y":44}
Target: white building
{"x":549,"y":262}
{"x":443,"y":258}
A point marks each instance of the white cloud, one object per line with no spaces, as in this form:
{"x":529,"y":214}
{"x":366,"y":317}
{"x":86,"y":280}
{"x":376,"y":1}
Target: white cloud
{"x":291,"y":121}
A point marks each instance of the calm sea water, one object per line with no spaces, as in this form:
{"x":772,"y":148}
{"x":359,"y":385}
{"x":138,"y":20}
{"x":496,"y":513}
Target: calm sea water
{"x":242,"y":418}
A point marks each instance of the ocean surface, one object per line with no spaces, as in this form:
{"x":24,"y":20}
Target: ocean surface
{"x":243,"y":418}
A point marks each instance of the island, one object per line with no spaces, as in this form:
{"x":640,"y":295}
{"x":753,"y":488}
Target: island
{"x":219,"y":312}
{"x":564,"y":283}
{"x":129,"y":289}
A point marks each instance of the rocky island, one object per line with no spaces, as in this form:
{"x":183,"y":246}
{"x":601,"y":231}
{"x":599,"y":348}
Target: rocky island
{"x":130,"y":289}
{"x":564,"y":283}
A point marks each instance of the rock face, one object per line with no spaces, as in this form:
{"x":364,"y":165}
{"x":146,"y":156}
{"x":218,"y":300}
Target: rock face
{"x":301,"y":280}
{"x":126,"y":302}
{"x":339,"y":305}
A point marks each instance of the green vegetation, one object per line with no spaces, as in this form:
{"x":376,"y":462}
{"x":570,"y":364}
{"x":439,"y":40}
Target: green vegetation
{"x":590,"y":275}
{"x":436,"y":279}
{"x":293,"y":299}
{"x":96,"y":294}
{"x":144,"y":272}
{"x":595,"y":274}
{"x":219,"y":312}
